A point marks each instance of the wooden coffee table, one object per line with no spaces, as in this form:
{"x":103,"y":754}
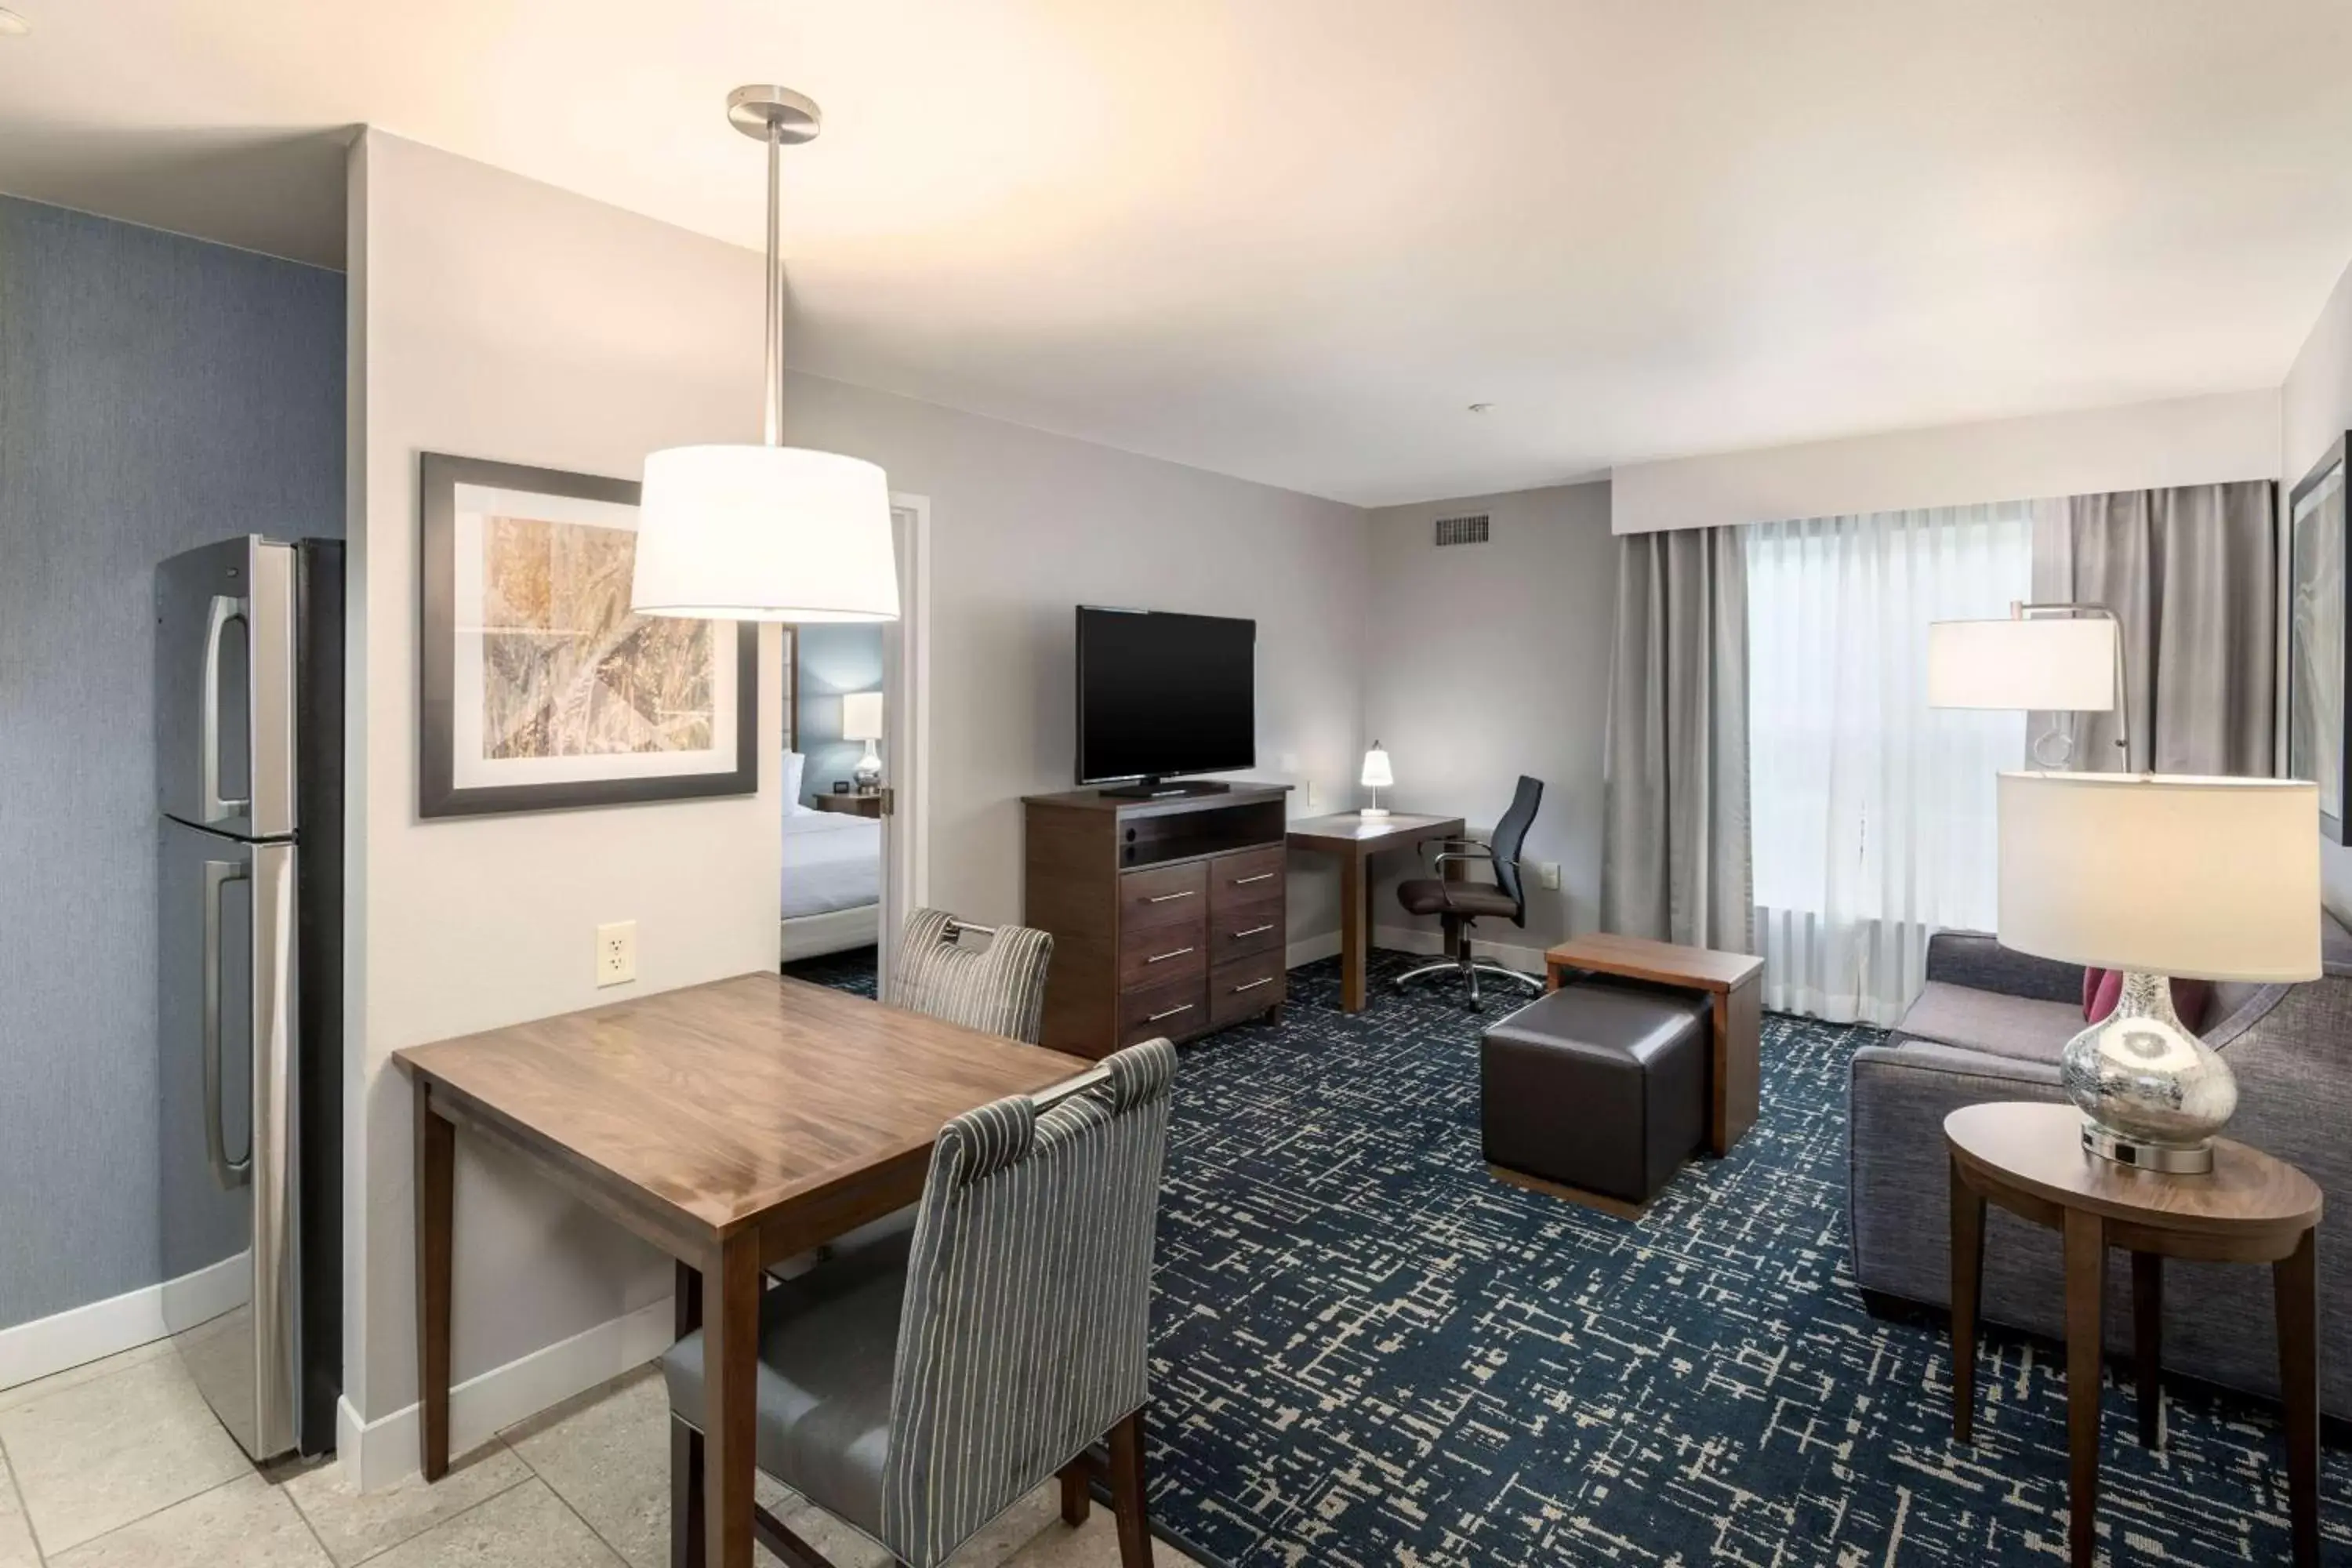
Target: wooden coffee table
{"x":2251,"y":1208}
{"x":1735,"y":1070}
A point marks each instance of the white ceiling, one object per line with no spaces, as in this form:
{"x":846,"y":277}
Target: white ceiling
{"x":1293,"y":239}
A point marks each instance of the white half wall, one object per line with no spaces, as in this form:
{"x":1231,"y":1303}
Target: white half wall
{"x":2181,"y":441}
{"x":2314,"y":410}
{"x":499,"y":318}
{"x":1486,"y":661}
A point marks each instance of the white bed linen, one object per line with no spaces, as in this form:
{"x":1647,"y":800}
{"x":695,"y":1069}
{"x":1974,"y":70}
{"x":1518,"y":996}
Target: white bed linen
{"x":831,"y":862}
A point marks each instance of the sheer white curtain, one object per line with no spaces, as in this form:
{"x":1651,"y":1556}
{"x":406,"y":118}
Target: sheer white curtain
{"x":1873,"y":813}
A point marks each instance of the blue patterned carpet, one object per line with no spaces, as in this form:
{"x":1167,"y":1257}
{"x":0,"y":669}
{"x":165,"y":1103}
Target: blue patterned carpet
{"x":1368,"y":1351}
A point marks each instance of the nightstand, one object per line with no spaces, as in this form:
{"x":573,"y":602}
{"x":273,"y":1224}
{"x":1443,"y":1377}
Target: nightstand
{"x":851,"y":804}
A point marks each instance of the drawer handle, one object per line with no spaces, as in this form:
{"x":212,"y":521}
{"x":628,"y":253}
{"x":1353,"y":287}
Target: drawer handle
{"x":1245,"y":881}
{"x":1254,"y":931}
{"x":1170,"y":1014}
{"x":1171,"y":898}
{"x":1164,"y":957}
{"x":1254,"y":984}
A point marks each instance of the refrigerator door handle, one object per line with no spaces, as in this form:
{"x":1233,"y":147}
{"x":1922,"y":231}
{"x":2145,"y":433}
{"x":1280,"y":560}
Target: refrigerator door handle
{"x":218,"y":874}
{"x":209,"y":803}
{"x":277,"y":1246}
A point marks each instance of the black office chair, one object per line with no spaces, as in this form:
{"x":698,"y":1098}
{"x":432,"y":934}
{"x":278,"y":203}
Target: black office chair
{"x":1457,"y":905}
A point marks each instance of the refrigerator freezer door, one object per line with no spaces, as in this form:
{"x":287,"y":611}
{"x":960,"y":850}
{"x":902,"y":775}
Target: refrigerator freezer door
{"x":226,"y":1009}
{"x":224,"y":629}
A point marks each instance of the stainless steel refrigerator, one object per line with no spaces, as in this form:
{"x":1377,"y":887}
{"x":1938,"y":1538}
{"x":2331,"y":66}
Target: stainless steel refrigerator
{"x":249,"y":786}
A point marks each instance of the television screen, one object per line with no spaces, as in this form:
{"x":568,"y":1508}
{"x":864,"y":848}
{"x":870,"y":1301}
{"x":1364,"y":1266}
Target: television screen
{"x":1163,"y":694}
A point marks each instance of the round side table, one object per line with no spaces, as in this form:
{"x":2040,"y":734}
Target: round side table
{"x":2251,"y":1208}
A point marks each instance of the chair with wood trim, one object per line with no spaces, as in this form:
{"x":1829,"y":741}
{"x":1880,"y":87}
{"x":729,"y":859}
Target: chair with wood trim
{"x":1000,"y":988}
{"x":917,"y":1387}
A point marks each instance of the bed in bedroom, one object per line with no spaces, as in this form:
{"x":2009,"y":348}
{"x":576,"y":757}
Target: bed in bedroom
{"x":831,"y":879}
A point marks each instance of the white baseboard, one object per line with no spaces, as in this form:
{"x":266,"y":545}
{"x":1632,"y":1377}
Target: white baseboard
{"x":1306,"y":950}
{"x":1414,"y":939}
{"x":83,"y":1334}
{"x":381,"y":1453}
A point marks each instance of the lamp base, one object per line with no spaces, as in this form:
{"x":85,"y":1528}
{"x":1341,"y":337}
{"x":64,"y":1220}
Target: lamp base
{"x":2173,"y":1159}
{"x":869,"y":772}
{"x":2151,"y":1093}
{"x":1373,"y":811}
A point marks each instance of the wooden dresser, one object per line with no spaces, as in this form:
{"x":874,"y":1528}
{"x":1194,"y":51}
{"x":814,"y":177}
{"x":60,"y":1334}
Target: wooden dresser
{"x":1167,"y":915}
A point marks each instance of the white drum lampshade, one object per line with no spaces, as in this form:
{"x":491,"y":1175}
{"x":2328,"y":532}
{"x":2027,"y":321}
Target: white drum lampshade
{"x":2047,"y":665}
{"x":2156,"y":876}
{"x":861,"y":716}
{"x":765,"y":533}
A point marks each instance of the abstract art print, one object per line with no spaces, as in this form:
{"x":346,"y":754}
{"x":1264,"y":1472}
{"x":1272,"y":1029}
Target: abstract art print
{"x":2317,"y":654}
{"x":542,"y":688}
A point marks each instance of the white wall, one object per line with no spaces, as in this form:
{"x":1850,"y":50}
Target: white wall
{"x":2181,"y":441}
{"x":1486,"y":661}
{"x":498,"y":318}
{"x":2316,"y":409}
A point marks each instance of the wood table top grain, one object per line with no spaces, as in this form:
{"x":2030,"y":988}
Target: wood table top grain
{"x":1701,"y":968}
{"x":729,"y":1099}
{"x":1349,"y":830}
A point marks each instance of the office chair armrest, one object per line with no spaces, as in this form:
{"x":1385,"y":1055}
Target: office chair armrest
{"x":1470,"y":849}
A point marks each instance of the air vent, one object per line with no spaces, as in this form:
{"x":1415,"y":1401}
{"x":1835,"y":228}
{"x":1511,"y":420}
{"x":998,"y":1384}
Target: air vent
{"x":1462,"y":530}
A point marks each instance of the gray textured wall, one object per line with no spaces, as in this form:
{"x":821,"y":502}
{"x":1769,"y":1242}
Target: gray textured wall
{"x":833,"y":659}
{"x":155,"y":392}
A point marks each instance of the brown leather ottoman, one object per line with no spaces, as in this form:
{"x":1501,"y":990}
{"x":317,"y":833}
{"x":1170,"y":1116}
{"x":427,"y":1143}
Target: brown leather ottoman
{"x":1598,"y":1087}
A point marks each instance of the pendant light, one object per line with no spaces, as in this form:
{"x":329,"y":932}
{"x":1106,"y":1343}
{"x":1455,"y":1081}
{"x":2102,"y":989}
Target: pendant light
{"x":769,"y":532}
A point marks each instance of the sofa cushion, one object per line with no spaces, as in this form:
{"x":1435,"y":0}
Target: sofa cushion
{"x":2018,"y":1027}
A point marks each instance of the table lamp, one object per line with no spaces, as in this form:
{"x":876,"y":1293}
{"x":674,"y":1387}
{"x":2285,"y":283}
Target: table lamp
{"x":1376,"y":777}
{"x":861,"y":720}
{"x":2157,"y":876}
{"x":2044,"y":657}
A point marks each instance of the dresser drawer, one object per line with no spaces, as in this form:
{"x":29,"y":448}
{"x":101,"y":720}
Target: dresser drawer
{"x":1163,"y":897}
{"x":1240,"y":929}
{"x":1246,"y":986}
{"x":1248,"y":878}
{"x":1173,"y":1009}
{"x":1157,"y":954}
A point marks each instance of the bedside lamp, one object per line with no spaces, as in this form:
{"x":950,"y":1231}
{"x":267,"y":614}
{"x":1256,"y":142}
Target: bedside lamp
{"x":2036,"y":659}
{"x":2207,"y":879}
{"x":1376,"y":777}
{"x":861,"y":720}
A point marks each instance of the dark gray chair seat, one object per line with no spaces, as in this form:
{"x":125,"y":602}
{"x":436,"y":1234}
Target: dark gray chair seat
{"x":1429,"y":896}
{"x":828,"y":1340}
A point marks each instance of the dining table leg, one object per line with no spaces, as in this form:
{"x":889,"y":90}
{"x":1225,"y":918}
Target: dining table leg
{"x":1355,"y":933}
{"x":1968,"y":1290}
{"x":687,"y":1540}
{"x":2147,"y":1343}
{"x":436,"y":1193}
{"x":2294,"y":1284}
{"x":731,"y":1348}
{"x":2087,"y":1293}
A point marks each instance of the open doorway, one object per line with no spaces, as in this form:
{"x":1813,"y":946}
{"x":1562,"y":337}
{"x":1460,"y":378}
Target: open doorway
{"x":855,"y":728}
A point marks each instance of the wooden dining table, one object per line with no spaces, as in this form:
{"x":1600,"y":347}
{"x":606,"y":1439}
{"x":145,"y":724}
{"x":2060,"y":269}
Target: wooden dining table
{"x":733,"y":1125}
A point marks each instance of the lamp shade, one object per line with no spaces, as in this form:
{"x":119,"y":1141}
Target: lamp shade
{"x":2206,"y":878}
{"x":861,"y":716}
{"x":765,"y":533}
{"x":2049,"y":665}
{"x":1376,"y":769}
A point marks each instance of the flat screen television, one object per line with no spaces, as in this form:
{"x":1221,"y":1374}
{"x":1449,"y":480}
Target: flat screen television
{"x":1162,"y":694}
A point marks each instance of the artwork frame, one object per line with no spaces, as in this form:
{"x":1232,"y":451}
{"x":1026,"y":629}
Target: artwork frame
{"x":517,"y":714}
{"x":2318,"y":648}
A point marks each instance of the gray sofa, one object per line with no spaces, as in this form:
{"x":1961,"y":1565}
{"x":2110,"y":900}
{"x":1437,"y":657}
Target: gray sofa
{"x":1990,"y":1026}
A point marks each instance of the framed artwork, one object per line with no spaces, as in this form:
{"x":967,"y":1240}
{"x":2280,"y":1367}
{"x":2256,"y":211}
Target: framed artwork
{"x":2316,"y":650}
{"x":540,"y":689}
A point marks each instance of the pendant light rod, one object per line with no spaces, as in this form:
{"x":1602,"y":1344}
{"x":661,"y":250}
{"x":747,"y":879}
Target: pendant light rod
{"x":781,"y":118}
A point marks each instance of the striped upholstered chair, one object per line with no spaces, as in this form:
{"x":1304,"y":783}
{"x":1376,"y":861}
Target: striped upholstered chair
{"x":917,"y":1387}
{"x":999,"y":989}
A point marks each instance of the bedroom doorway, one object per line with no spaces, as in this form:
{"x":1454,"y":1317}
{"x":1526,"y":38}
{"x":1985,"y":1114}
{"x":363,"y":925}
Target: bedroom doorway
{"x":857,"y":733}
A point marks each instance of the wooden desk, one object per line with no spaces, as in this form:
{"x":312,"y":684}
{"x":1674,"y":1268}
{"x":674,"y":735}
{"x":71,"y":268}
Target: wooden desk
{"x":1735,"y":1066}
{"x":1355,"y":838}
{"x":733,"y":1125}
{"x":2029,"y":1159}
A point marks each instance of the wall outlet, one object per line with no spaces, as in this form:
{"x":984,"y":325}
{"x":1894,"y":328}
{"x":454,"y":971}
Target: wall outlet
{"x":1548,"y":875}
{"x":617,"y":953}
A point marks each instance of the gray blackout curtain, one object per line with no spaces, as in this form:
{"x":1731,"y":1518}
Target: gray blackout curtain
{"x":1675,"y":864}
{"x":2193,"y":576}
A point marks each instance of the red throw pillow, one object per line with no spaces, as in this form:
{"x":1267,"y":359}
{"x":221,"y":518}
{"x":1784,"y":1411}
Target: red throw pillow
{"x":2103,"y":988}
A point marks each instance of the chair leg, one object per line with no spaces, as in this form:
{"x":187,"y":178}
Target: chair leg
{"x":686,"y":1534}
{"x":1127,"y":1492}
{"x":1078,"y":1496}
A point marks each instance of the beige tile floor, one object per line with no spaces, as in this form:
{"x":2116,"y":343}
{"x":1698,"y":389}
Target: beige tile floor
{"x":119,"y":1465}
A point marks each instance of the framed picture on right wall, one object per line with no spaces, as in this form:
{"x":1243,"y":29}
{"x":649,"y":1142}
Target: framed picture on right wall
{"x":2316,"y":650}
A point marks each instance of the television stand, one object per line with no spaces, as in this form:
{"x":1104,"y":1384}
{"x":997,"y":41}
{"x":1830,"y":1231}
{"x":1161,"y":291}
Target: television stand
{"x":1150,"y":788}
